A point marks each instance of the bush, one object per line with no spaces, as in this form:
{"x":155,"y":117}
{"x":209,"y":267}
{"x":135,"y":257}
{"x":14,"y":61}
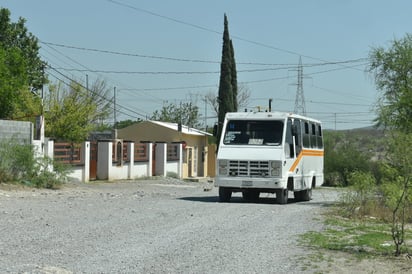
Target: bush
{"x":16,"y":161}
{"x":362,"y":196}
{"x":19,"y":164}
{"x":343,"y":157}
{"x":48,"y":174}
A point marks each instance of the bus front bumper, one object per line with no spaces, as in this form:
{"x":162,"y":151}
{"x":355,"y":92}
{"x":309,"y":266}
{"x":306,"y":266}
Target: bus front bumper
{"x":253,"y":183}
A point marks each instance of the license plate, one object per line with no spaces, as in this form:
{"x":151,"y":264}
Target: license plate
{"x":247,"y":183}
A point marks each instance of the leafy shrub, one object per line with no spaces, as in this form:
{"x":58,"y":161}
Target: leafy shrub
{"x":16,"y":160}
{"x":19,"y":164}
{"x":362,"y":196}
{"x":342,"y":157}
{"x":49,"y":174}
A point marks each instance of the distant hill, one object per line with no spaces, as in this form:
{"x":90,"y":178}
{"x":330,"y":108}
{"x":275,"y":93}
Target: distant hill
{"x":368,"y":140}
{"x":346,"y":151}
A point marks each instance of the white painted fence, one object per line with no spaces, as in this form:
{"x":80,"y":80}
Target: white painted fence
{"x":117,"y":160}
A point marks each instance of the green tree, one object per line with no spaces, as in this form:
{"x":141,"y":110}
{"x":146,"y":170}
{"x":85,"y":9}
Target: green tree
{"x":12,"y":79}
{"x":21,"y":70}
{"x":233,"y":77}
{"x":392,"y":70}
{"x":397,"y":184}
{"x":100,"y":94}
{"x":228,"y":81}
{"x":184,"y":113}
{"x":74,"y":112}
{"x":16,"y":36}
{"x":242,"y":98}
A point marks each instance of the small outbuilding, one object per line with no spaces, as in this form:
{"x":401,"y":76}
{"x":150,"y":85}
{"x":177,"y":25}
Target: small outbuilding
{"x":194,"y":142}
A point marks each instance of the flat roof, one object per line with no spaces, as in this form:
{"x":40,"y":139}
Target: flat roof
{"x":265,"y":115}
{"x":185,"y":129}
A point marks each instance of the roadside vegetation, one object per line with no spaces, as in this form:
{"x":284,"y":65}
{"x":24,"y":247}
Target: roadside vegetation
{"x":374,"y":213}
{"x":18,"y":164}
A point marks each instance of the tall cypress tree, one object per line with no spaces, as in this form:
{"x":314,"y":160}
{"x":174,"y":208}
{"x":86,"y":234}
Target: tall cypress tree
{"x":234,"y":77}
{"x":228,"y":80}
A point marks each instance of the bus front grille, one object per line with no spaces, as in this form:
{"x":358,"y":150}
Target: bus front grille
{"x":249,"y":168}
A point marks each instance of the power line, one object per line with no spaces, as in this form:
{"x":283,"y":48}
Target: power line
{"x":74,"y":61}
{"x":351,"y":113}
{"x":103,"y":97}
{"x":193,"y":72}
{"x":315,"y":102}
{"x":170,"y":88}
{"x":163,"y":72}
{"x":202,"y":28}
{"x":212,"y":31}
{"x":340,"y":68}
{"x":340,"y":93}
{"x":340,"y":104}
{"x":68,"y":57}
{"x":197,"y":60}
{"x":130,"y":54}
{"x":163,"y":16}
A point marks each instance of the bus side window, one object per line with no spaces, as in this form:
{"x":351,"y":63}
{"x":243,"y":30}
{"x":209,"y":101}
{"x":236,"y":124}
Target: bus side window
{"x":313,"y":136}
{"x":306,"y":135}
{"x":319,"y":137}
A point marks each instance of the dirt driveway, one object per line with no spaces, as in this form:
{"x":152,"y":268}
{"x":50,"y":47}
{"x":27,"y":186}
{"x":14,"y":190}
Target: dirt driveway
{"x":160,"y":226}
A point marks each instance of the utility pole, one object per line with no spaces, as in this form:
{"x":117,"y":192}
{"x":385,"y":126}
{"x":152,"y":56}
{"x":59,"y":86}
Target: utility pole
{"x":87,"y":83}
{"x":114,"y":108}
{"x":204,"y":99}
{"x":300,"y":107}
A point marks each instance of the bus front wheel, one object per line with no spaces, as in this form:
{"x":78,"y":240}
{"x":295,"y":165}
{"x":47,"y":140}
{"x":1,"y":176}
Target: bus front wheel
{"x":303,"y":195}
{"x":282,"y":196}
{"x":224,"y":194}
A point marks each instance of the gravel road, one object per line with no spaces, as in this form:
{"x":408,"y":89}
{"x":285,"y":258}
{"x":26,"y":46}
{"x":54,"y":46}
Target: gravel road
{"x":152,"y":226}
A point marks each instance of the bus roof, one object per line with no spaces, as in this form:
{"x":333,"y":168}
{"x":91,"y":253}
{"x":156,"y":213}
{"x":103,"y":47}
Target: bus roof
{"x":267,"y":115}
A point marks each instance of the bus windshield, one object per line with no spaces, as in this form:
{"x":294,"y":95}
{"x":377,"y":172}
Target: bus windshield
{"x":248,"y":132}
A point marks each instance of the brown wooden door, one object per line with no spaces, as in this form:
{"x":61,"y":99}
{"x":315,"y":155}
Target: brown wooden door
{"x":190,"y":162}
{"x":154,"y":160}
{"x":93,"y":161}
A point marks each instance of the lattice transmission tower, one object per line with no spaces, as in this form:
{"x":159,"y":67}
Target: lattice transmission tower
{"x":300,"y":107}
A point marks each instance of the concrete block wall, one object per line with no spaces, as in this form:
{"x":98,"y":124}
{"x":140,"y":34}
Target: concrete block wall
{"x":17,"y":130}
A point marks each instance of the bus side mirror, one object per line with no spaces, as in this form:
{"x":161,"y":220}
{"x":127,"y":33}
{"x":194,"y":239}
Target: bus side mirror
{"x":215,"y":130}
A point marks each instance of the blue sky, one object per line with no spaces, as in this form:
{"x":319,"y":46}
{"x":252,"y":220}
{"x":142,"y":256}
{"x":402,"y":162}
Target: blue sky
{"x":162,"y":38}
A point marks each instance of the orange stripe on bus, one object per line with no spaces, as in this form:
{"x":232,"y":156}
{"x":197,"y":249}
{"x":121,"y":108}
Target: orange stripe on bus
{"x":305,"y":152}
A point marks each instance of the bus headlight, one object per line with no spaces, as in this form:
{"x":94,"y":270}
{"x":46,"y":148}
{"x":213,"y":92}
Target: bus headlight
{"x":275,"y":168}
{"x":223,"y":167}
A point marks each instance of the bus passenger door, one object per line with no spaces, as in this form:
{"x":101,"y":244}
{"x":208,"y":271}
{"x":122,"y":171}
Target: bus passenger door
{"x":289,"y":145}
{"x":298,"y":142}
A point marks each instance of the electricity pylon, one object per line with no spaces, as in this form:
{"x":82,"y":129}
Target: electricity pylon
{"x":300,"y":107}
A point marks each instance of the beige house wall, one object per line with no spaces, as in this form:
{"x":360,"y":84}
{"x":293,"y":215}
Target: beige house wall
{"x":211,"y":160}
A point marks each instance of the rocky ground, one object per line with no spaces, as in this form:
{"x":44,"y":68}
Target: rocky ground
{"x":164,"y":226}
